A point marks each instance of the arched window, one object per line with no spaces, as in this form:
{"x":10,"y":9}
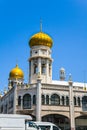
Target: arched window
{"x":5,"y":109}
{"x":43,"y":70}
{"x":67,"y":101}
{"x":11,"y":102}
{"x":47,"y":99}
{"x":1,"y":108}
{"x":84,"y":100}
{"x":75,"y":101}
{"x":55,"y":99}
{"x":62,"y":100}
{"x":35,"y":69}
{"x":43,"y":99}
{"x":34,"y":99}
{"x":79,"y":101}
{"x":49,"y":69}
{"x":12,"y":83}
{"x":27,"y":101}
{"x":19,"y":100}
{"x":84,"y":103}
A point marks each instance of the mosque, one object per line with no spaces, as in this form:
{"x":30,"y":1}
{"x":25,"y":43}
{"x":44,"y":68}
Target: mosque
{"x":59,"y":101}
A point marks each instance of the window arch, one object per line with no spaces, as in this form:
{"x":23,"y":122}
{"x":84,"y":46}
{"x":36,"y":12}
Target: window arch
{"x":43,"y":69}
{"x":5,"y":108}
{"x":34,"y":99}
{"x":67,"y":101}
{"x":11,"y":102}
{"x":35,"y":69}
{"x":84,"y":100}
{"x":62,"y":100}
{"x":19,"y":100}
{"x":55,"y":99}
{"x":50,"y":69}
{"x":84,"y":103}
{"x":75,"y":101}
{"x":79,"y":104}
{"x":47,"y":99}
{"x":1,"y":108}
{"x":43,"y":99}
{"x":27,"y":101}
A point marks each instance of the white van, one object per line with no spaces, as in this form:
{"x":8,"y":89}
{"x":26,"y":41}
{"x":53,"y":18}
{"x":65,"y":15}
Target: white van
{"x":46,"y":126}
{"x":15,"y":122}
{"x":23,"y":122}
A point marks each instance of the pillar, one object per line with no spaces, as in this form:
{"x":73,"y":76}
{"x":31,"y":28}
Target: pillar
{"x":38,"y":100}
{"x":15,"y":98}
{"x":21,"y":102}
{"x":72,"y":118}
{"x":39,"y":65}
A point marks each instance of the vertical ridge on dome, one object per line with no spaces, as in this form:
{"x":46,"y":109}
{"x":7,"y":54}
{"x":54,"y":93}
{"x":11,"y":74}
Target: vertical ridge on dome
{"x":41,"y":39}
{"x":16,"y":73}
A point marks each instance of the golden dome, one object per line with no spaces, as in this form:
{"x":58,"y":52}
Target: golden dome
{"x":16,"y":73}
{"x":41,"y":39}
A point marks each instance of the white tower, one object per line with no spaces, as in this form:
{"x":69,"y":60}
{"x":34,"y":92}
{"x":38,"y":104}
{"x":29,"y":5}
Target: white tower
{"x":40,"y":61}
{"x":16,"y":77}
{"x":62,"y":74}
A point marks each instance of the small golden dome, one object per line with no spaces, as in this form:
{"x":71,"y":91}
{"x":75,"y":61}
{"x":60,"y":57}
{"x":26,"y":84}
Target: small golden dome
{"x":16,"y":73}
{"x":41,"y":39}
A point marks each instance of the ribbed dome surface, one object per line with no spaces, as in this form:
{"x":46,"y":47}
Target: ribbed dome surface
{"x":41,"y":39}
{"x":16,"y":73}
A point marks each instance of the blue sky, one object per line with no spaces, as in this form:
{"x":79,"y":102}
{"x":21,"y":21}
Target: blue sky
{"x":64,"y":20}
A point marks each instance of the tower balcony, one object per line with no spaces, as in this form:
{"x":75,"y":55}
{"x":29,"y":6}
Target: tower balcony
{"x":41,"y":55}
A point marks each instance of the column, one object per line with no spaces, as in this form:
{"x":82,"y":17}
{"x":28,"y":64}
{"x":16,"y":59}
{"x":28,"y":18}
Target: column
{"x":38,"y":100}
{"x":51,"y":71}
{"x":49,"y":99}
{"x":15,"y":99}
{"x":31,"y":73}
{"x":60,"y":99}
{"x":72,"y":118}
{"x":81,"y":101}
{"x":47,"y":71}
{"x":21,"y":102}
{"x":39,"y":65}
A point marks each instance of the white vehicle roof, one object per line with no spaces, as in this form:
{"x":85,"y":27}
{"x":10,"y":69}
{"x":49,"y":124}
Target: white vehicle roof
{"x":27,"y":117}
{"x":44,"y":123}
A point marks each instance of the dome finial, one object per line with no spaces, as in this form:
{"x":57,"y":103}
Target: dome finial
{"x":16,"y":73}
{"x":40,"y":25}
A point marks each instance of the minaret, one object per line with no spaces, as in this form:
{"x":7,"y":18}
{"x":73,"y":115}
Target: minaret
{"x":62,"y":74}
{"x":40,"y":60}
{"x":16,"y":77}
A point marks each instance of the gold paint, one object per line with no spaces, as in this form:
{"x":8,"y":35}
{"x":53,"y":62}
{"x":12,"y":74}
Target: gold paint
{"x":16,"y":73}
{"x":41,"y":39}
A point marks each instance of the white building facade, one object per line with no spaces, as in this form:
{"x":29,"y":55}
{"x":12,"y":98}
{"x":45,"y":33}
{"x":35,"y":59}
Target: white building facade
{"x":61,"y":102}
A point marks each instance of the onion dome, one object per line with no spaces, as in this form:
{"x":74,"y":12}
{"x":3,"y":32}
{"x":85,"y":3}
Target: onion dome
{"x":16,"y":73}
{"x":62,"y":69}
{"x":41,"y":39}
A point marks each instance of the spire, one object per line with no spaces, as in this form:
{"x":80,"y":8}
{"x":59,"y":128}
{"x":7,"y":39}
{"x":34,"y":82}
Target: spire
{"x":16,"y":62}
{"x":84,"y":80}
{"x":16,"y":65}
{"x":40,"y":25}
{"x":70,"y":80}
{"x":70,"y":77}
